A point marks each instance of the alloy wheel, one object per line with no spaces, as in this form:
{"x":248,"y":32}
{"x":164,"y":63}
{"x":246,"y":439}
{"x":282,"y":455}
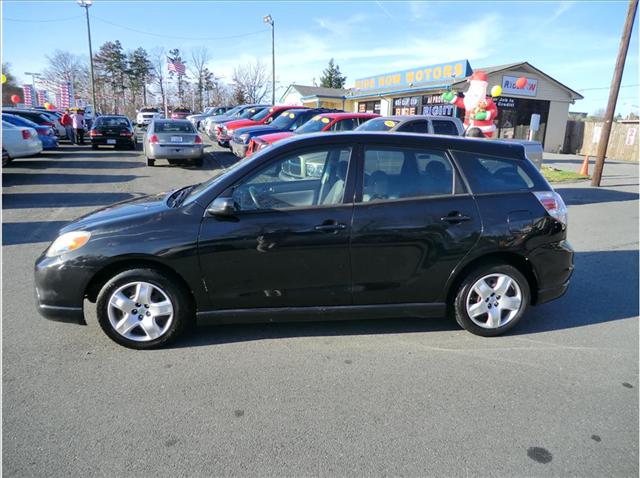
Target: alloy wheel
{"x":140,"y":311}
{"x":494,"y":301}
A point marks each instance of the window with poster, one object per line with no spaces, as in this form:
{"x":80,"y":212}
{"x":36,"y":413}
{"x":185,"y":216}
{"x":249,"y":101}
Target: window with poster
{"x":369,"y":107}
{"x":434,"y":105}
{"x":409,"y":105}
{"x":514,"y":117}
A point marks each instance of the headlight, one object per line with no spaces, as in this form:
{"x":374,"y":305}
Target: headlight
{"x":68,"y":242}
{"x":262,"y":145}
{"x":228,"y":131}
{"x":244,"y":137}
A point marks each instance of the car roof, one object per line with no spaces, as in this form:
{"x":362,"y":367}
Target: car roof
{"x":112,"y":116}
{"x":348,"y":115}
{"x":457,"y":143}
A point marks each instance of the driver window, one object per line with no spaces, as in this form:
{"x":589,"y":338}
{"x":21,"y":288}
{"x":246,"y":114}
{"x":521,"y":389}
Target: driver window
{"x":310,"y":178}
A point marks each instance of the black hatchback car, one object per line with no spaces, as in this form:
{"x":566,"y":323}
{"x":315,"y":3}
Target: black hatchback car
{"x":114,"y":131}
{"x":394,"y":225}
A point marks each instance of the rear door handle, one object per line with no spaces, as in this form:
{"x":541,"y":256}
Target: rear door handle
{"x":455,"y":217}
{"x":330,"y":227}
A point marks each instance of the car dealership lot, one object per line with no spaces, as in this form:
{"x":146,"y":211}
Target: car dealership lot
{"x":557,"y":396}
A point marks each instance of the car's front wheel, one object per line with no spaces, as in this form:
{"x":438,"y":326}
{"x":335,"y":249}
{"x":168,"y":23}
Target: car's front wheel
{"x":491,"y":299}
{"x":143,"y":308}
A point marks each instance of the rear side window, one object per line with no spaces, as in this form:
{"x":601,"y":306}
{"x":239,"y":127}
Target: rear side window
{"x":343,"y":125}
{"x":494,"y":174}
{"x":444,"y":127}
{"x":112,"y":122}
{"x":173,"y":127}
{"x":396,"y":173}
{"x":415,"y":127}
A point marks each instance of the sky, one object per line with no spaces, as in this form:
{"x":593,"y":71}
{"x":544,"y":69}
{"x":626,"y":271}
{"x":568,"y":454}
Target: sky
{"x":574,"y":42}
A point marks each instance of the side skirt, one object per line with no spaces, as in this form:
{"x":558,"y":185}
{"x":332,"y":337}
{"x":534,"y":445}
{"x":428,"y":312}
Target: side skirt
{"x":342,"y":312}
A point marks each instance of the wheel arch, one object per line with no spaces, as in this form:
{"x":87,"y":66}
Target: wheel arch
{"x":121,"y":264}
{"x":511,"y":258}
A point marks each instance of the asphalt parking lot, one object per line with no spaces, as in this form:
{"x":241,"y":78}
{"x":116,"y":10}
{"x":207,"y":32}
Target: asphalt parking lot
{"x":558,"y":396}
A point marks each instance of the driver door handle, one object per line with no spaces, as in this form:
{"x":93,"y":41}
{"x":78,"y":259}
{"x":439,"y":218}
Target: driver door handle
{"x":455,"y":217}
{"x":330,"y":226}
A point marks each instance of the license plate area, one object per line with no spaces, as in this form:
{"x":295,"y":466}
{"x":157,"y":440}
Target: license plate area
{"x":176,"y":139}
{"x":111,"y":141}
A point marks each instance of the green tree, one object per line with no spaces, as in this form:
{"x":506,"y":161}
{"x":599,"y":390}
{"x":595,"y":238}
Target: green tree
{"x":332,"y":77}
{"x":139,"y":74}
{"x":111,"y":70}
{"x":10,"y":87}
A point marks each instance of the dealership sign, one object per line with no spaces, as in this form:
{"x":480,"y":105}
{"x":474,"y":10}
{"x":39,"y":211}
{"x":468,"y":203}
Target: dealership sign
{"x":509,"y":86}
{"x":442,"y":71}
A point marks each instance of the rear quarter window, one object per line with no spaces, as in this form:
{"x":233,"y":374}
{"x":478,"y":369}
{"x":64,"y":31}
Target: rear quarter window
{"x":495,"y":174}
{"x":444,"y":127}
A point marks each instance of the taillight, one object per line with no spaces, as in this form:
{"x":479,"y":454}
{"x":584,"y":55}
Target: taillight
{"x":198,"y":139}
{"x":553,"y":204}
{"x":26,"y":134}
{"x":153,"y":139}
{"x":93,"y":133}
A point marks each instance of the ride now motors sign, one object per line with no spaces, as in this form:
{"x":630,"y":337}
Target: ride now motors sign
{"x":442,"y":71}
{"x":509,"y":86}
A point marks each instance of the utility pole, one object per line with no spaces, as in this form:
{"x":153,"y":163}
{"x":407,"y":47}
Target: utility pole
{"x":613,"y":94}
{"x":269,"y":19}
{"x":86,"y":4}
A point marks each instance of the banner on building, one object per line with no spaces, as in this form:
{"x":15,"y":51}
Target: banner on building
{"x":27,"y":91}
{"x":66,"y":95}
{"x":41,"y":97}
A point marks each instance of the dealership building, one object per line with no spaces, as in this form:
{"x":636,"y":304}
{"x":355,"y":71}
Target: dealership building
{"x":419,"y":91}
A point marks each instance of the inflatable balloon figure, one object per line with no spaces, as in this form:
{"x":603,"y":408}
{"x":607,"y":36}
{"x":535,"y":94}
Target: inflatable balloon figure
{"x":479,"y":109}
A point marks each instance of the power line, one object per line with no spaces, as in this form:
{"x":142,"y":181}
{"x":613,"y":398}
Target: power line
{"x":42,"y":21}
{"x":607,"y":87}
{"x":162,"y":35}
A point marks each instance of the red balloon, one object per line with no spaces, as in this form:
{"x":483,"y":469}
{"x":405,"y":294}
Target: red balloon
{"x":15,"y":98}
{"x":521,"y":82}
{"x":51,"y":107}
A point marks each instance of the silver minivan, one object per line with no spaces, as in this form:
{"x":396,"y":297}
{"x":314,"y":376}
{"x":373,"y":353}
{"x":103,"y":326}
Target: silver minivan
{"x":173,"y":140}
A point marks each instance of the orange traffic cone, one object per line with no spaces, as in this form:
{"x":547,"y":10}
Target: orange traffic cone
{"x":584,"y":170}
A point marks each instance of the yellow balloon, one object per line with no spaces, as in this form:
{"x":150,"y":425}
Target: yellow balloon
{"x":46,"y":105}
{"x":4,"y":78}
{"x":496,"y":91}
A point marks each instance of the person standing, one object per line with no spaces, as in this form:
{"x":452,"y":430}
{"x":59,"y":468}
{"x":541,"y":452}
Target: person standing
{"x":68,"y":126}
{"x":77,"y":120}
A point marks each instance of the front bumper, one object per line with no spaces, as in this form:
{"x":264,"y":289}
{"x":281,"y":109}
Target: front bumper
{"x":174,"y":151}
{"x":60,"y":287}
{"x":239,"y":149}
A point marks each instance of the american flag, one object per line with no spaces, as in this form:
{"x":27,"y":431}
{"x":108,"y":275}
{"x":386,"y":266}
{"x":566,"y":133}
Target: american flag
{"x":176,"y":66}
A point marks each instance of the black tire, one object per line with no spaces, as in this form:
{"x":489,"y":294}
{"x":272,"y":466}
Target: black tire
{"x":151,"y":162}
{"x":460,"y":309}
{"x":94,"y":146}
{"x":133,"y":146}
{"x":183,"y":310}
{"x":198,"y":162}
{"x":6,"y":159}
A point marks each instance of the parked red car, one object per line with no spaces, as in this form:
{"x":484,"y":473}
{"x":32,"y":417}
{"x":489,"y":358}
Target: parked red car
{"x":265,"y":116}
{"x":180,"y":113}
{"x":321,"y":122}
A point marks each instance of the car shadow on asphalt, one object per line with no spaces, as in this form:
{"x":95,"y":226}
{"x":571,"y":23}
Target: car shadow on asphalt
{"x":604,"y":288}
{"x":52,"y":200}
{"x":76,"y":164}
{"x":577,"y":196}
{"x":28,"y":178}
{"x":30,"y":232}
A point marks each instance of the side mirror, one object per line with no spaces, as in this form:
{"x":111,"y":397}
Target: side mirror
{"x":222,"y":207}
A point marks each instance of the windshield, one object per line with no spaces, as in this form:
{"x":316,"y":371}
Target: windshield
{"x":235,"y":111}
{"x":315,"y":124}
{"x":149,"y":110}
{"x":286,"y":120}
{"x":249,"y":113}
{"x":262,"y":114}
{"x":378,"y":124}
{"x":217,"y":175}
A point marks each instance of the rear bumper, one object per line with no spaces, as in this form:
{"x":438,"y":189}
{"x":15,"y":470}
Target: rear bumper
{"x":161,"y":151}
{"x":553,"y":266}
{"x":30,"y":149}
{"x":49,"y":142}
{"x":106,"y":141}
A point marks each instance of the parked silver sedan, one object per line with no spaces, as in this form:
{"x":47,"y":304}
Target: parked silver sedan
{"x":173,"y":140}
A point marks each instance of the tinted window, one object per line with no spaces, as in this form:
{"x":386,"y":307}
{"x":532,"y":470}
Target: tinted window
{"x":343,"y":125}
{"x":488,"y":174}
{"x":415,"y":127}
{"x":173,"y":127}
{"x":315,"y":124}
{"x":444,"y":127}
{"x":112,"y":122}
{"x":394,"y":173}
{"x":296,"y":180}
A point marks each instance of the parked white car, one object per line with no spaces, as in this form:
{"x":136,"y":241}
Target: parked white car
{"x":18,"y":142}
{"x":146,"y":115}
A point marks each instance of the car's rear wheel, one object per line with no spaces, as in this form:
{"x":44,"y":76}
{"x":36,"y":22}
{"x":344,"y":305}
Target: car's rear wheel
{"x":150,"y":162}
{"x":5,"y":157}
{"x":492,"y":299}
{"x":143,"y":308}
{"x":94,"y":146}
{"x":198,"y":162}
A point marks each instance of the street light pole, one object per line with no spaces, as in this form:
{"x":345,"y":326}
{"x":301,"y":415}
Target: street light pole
{"x":86,"y":4}
{"x":269,"y":19}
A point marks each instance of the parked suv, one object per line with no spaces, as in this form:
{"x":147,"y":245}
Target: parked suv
{"x":394,"y":225}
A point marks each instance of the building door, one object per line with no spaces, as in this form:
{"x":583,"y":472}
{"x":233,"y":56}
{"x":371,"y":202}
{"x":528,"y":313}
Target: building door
{"x":514,"y":118}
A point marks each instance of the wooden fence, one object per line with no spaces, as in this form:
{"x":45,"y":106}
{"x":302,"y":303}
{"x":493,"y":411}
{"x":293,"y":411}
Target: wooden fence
{"x":582,"y":137}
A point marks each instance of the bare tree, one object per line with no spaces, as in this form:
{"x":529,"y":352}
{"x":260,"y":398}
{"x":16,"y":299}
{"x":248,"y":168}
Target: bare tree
{"x":158,"y":59}
{"x":63,"y":66}
{"x":199,"y":58}
{"x":252,"y":80}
